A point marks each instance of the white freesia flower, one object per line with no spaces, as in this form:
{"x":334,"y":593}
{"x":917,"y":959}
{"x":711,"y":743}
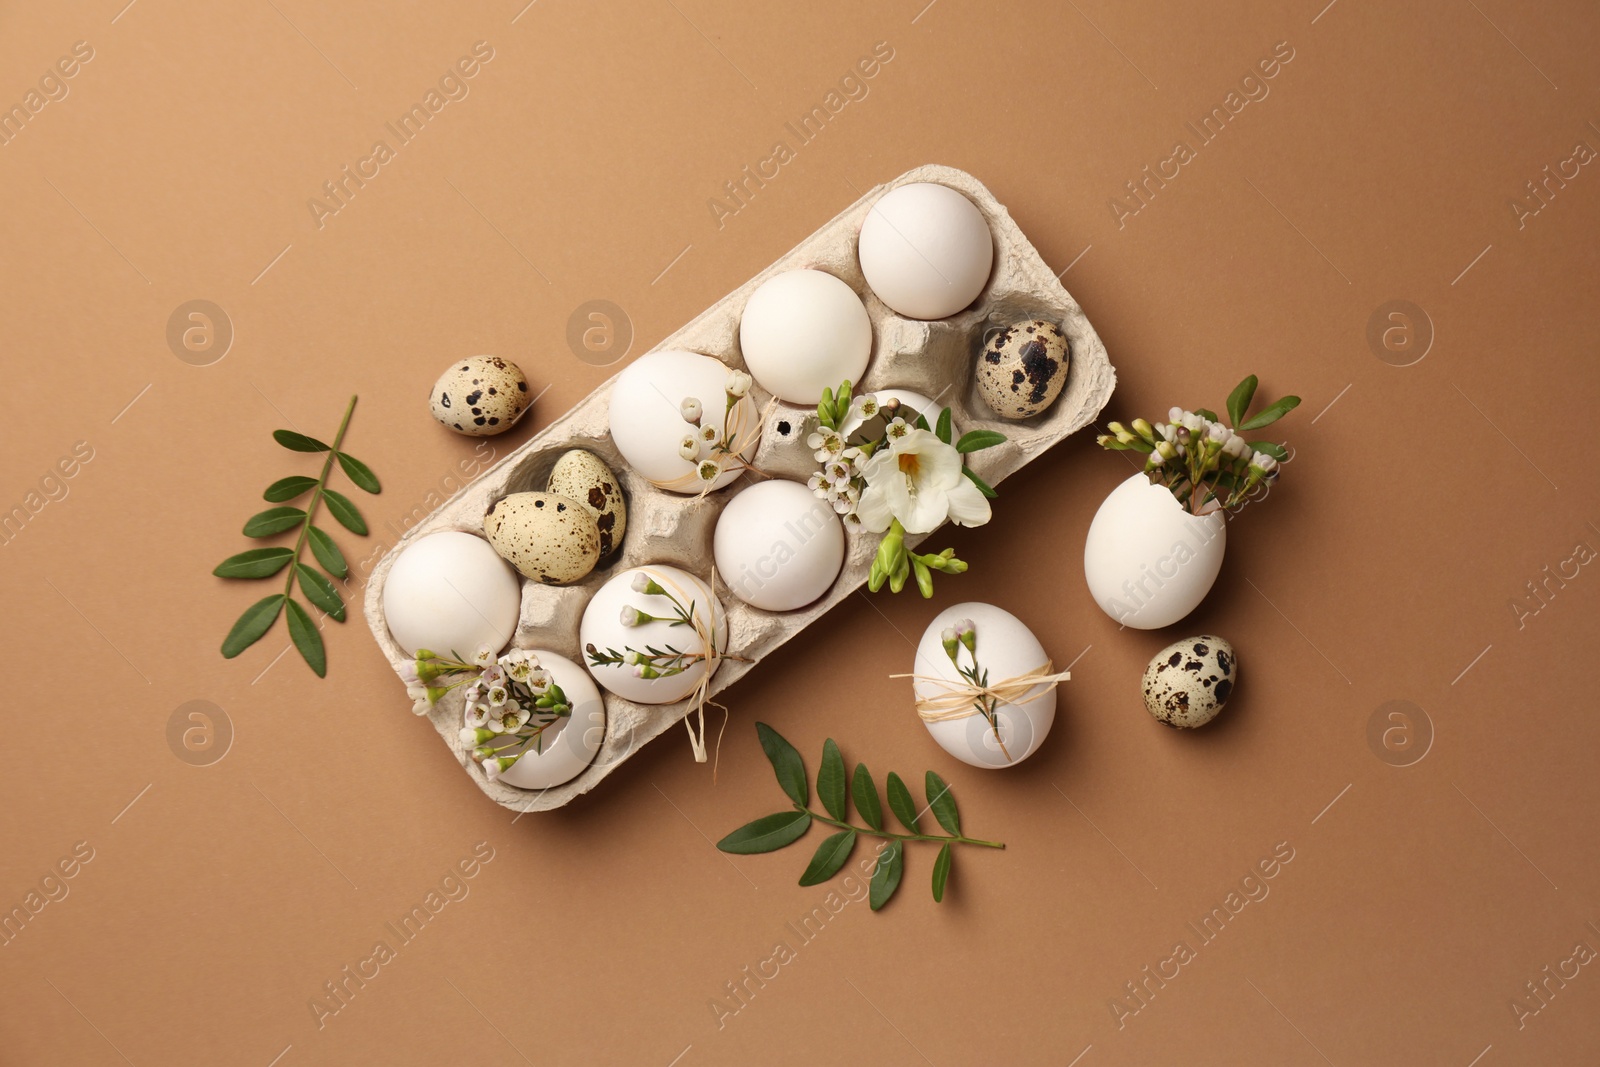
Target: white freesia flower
{"x":918,"y":480}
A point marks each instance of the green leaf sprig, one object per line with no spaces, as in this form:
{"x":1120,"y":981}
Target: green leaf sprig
{"x":1206,"y":463}
{"x":317,"y":586}
{"x":772,"y":832}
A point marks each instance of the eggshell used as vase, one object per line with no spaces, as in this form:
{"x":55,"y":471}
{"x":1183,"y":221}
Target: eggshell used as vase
{"x":1006,"y":648}
{"x":1148,"y":561}
{"x":568,"y":746}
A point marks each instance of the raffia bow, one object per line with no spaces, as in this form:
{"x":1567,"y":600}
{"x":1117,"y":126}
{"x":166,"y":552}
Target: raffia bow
{"x":711,"y":656}
{"x":959,"y":698}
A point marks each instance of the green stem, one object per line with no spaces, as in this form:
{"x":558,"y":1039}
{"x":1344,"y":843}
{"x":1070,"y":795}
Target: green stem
{"x":902,"y":837}
{"x":316,"y":496}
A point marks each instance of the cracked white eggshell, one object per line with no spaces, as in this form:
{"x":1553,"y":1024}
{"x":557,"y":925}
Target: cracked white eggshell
{"x":1006,"y":648}
{"x":778,"y":545}
{"x":602,"y":627}
{"x":926,"y":250}
{"x":569,"y":745}
{"x":647,"y":421}
{"x":909,"y":397}
{"x":803,"y":331}
{"x":1148,"y":561}
{"x":451,"y":592}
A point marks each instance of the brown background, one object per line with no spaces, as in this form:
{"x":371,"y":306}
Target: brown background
{"x":1421,"y":502}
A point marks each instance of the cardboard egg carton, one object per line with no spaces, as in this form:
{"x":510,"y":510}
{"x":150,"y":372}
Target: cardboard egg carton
{"x":935,"y":358}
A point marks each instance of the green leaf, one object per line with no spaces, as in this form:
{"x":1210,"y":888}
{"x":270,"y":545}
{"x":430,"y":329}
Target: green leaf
{"x":1207,"y":413}
{"x":973,"y":440}
{"x":830,"y":780}
{"x":256,"y":563}
{"x":983,"y":487}
{"x":922,"y":422}
{"x":943,"y":803}
{"x":786,"y":764}
{"x":1269,"y":448}
{"x":298,"y":442}
{"x":901,"y":804}
{"x":829,"y":857}
{"x":1272,"y":413}
{"x":327,"y":552}
{"x":866,"y":797}
{"x":273,"y":521}
{"x":288,"y":488}
{"x":941,"y":873}
{"x":347,"y":514}
{"x":256,"y":620}
{"x":320,"y":591}
{"x":359,"y":473}
{"x":1239,"y":400}
{"x":767,"y":834}
{"x":942,"y":430}
{"x":303,"y":632}
{"x":886,"y":877}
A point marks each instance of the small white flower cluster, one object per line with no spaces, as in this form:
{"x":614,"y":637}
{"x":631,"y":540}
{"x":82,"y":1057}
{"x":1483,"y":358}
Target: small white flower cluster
{"x":1172,"y":440}
{"x":840,"y":481}
{"x":705,"y":445}
{"x":501,"y":699}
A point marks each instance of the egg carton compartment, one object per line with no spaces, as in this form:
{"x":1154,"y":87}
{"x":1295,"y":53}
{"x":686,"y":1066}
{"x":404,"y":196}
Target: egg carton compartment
{"x":935,"y":358}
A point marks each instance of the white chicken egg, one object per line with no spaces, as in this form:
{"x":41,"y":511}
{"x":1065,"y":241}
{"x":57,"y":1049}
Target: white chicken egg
{"x":803,"y":331}
{"x":648,"y":424}
{"x":1147,"y":560}
{"x":450,"y":592}
{"x":778,"y":546}
{"x":925,"y":250}
{"x":568,"y":745}
{"x":659,"y":592}
{"x":1004,"y":648}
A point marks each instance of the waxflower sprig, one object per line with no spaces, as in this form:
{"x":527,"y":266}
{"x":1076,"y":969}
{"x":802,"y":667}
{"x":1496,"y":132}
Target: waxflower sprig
{"x":907,"y":478}
{"x":964,"y":636}
{"x":772,"y":832}
{"x":651,"y":662}
{"x":1208,"y":465}
{"x":318,"y":587}
{"x":509,"y":702}
{"x":710,"y":449}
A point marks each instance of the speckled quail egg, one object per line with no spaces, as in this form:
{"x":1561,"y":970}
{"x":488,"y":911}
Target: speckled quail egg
{"x":480,"y":396}
{"x":1189,"y":681}
{"x":584,"y":477}
{"x":550,"y":538}
{"x":1023,"y":367}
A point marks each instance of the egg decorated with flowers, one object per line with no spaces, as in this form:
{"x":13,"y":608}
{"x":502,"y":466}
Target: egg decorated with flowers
{"x":985,"y":688}
{"x":652,"y":634}
{"x":533,"y":746}
{"x":683,"y":420}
